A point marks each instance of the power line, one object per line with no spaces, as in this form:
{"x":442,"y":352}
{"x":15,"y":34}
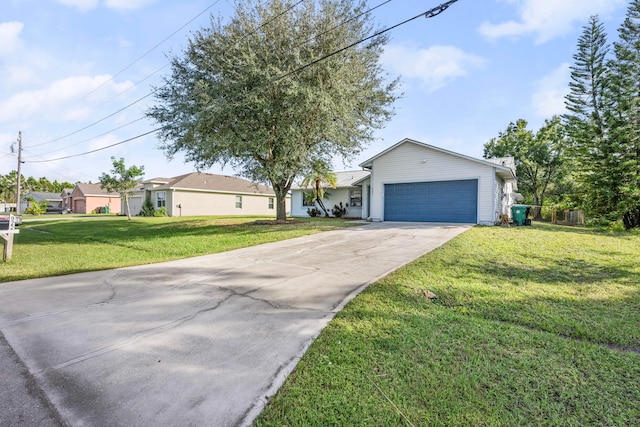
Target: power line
{"x":98,"y":121}
{"x":56,"y":169}
{"x":95,"y":137}
{"x":147,"y":52}
{"x":96,"y":150}
{"x":155,"y":72}
{"x":428,"y":14}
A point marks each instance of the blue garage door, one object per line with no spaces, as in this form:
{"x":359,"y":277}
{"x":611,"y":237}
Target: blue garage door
{"x":444,"y":201}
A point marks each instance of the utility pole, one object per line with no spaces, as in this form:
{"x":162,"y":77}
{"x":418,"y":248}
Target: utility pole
{"x":19,"y":179}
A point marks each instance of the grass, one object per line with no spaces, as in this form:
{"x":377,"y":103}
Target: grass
{"x":531,"y":326}
{"x":50,"y":247}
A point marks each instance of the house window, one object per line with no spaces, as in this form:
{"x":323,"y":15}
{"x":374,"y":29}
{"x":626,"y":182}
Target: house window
{"x":238,"y":202}
{"x":270,"y":202}
{"x":307,"y":198}
{"x":161,"y":198}
{"x":355,"y":197}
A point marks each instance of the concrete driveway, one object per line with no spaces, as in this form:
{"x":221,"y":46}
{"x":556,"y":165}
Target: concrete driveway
{"x":200,"y":341}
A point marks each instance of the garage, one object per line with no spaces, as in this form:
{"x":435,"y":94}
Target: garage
{"x":439,"y":201}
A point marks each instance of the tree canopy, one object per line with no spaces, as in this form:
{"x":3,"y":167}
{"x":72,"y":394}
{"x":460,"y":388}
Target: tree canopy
{"x":604,"y":119}
{"x":538,"y":156}
{"x":267,"y":94}
{"x":8,"y":186}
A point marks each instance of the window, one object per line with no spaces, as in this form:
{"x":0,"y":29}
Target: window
{"x":161,"y":199}
{"x":308,"y":199}
{"x":238,"y":202}
{"x":270,"y":202}
{"x":355,"y":197}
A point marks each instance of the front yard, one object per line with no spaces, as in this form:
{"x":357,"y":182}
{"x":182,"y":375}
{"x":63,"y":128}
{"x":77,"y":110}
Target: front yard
{"x":531,"y":326}
{"x":51,"y":247}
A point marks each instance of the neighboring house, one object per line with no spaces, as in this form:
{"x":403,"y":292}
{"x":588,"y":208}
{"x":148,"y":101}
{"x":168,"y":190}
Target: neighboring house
{"x":205,"y":194}
{"x":413,"y":181}
{"x":65,"y":196}
{"x":91,"y":198}
{"x":348,"y":191}
{"x":53,"y":200}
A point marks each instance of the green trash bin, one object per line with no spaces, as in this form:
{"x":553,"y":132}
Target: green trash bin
{"x":519,"y":214}
{"x":106,"y":209}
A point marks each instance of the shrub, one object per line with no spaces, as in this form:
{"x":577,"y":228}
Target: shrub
{"x":148,"y":209}
{"x":37,"y":208}
{"x":313,"y":212}
{"x":339,"y":210}
{"x":160,"y":212}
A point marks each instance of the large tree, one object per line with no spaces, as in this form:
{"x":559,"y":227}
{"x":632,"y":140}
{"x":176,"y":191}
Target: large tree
{"x":122,"y":180}
{"x":604,"y":119}
{"x":626,"y":84}
{"x":266,"y":94}
{"x":590,"y":122}
{"x":538,"y":156}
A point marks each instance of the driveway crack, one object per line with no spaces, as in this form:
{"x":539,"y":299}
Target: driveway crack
{"x":136,"y":337}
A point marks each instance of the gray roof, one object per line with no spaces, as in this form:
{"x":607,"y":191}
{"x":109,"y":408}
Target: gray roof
{"x":350,"y":178}
{"x":212,"y":182}
{"x":344,"y":179}
{"x":41,"y":196}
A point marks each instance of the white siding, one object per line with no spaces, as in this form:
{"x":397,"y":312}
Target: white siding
{"x":296,"y":204}
{"x":413,"y":163}
{"x":336,"y":196}
{"x":499,"y":201}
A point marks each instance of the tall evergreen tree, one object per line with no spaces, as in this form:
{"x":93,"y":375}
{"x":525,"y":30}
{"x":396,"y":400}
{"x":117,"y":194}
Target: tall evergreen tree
{"x":591,"y":123}
{"x":626,"y":84}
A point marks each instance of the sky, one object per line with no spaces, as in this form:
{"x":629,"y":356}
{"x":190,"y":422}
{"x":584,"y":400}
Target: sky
{"x":75,"y":75}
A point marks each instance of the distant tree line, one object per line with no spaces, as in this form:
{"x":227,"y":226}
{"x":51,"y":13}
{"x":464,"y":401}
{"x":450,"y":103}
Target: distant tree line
{"x":590,"y":157}
{"x":8,"y":186}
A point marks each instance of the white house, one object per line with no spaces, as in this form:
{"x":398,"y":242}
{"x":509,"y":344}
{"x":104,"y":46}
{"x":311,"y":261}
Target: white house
{"x":204,"y":194}
{"x":413,"y":181}
{"x":348,"y":191}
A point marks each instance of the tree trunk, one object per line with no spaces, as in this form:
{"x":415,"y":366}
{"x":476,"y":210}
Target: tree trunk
{"x":281,"y":207}
{"x":281,"y":190}
{"x":319,"y":201}
{"x":126,"y":206}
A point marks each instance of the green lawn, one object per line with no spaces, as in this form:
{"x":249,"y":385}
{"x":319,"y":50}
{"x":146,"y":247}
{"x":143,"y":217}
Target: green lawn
{"x":531,"y":326}
{"x":49,"y":247}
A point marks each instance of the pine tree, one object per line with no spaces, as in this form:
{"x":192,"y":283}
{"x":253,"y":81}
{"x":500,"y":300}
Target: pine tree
{"x":626,"y":113}
{"x":592,"y":125}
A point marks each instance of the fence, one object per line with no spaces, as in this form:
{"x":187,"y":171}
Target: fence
{"x":563,"y":216}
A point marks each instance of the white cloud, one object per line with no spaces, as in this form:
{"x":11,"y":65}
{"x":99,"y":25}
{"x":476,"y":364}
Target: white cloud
{"x":547,"y":19}
{"x":435,"y":67}
{"x":9,"y":37}
{"x":548,"y":98}
{"x":59,"y":100}
{"x":127,"y":4}
{"x":82,"y":5}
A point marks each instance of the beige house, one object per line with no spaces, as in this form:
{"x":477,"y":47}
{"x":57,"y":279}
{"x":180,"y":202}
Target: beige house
{"x":205,"y":194}
{"x":91,"y":198}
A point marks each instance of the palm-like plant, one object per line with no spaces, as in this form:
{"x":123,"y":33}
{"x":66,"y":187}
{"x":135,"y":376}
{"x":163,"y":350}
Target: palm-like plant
{"x":319,"y":179}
